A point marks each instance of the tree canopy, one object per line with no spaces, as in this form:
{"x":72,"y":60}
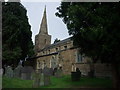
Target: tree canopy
{"x":16,"y":33}
{"x":56,"y":40}
{"x":96,"y":30}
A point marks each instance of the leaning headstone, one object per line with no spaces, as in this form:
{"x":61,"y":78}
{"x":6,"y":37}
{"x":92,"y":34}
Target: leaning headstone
{"x":17,"y":71}
{"x":9,"y":72}
{"x":47,"y":74}
{"x":26,"y":72}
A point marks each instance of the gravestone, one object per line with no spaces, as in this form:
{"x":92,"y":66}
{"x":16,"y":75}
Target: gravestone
{"x":59,"y":72}
{"x":36,"y":79}
{"x":41,"y":79}
{"x":54,"y":71}
{"x":75,"y":76}
{"x":8,"y":71}
{"x":17,"y":71}
{"x":51,"y":71}
{"x":47,"y":74}
{"x":26,"y":72}
{"x":1,"y":71}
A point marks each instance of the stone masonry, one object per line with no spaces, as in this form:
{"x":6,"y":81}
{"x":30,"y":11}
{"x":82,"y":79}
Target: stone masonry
{"x":63,"y":54}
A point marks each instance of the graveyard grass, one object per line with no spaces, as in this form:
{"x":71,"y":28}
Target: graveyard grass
{"x":63,"y":82}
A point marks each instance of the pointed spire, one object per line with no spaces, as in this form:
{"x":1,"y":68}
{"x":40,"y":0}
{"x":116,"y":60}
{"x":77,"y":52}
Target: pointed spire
{"x":45,"y":9}
{"x":43,"y":26}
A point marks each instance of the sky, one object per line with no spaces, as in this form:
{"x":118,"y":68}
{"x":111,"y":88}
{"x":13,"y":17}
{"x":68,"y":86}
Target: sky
{"x":56,"y":27}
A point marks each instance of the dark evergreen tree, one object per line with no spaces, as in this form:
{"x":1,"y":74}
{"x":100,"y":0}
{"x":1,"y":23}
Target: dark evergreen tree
{"x":96,"y":29}
{"x":56,"y":40}
{"x":16,"y":33}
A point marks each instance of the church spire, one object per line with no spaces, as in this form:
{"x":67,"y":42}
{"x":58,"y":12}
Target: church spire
{"x":43,"y":26}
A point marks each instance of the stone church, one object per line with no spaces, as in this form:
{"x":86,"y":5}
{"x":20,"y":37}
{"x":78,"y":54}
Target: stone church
{"x":64,"y":54}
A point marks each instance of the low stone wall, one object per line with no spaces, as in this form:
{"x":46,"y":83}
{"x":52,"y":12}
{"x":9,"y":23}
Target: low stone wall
{"x":102,"y":70}
{"x":84,"y":68}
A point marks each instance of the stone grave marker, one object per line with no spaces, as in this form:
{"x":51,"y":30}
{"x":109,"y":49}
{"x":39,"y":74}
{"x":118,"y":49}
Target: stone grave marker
{"x":51,"y":71}
{"x":59,"y":72}
{"x":17,"y":71}
{"x":1,"y":71}
{"x":54,"y":71}
{"x":26,"y":72}
{"x":41,"y":77}
{"x":8,"y":71}
{"x":47,"y":74}
{"x":36,"y":79}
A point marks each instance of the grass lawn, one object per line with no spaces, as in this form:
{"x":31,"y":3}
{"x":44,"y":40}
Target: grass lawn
{"x":15,"y":83}
{"x":64,"y":82}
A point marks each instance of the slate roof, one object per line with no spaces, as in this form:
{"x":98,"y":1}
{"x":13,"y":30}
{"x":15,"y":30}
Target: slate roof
{"x":57,"y":44}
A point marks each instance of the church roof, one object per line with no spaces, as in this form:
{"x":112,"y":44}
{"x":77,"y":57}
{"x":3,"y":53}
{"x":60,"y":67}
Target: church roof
{"x":57,"y":44}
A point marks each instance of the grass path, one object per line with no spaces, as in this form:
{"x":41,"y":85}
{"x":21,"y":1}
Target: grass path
{"x":63,"y":82}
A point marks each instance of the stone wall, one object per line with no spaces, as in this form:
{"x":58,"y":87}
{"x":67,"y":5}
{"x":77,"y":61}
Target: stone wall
{"x":102,"y":70}
{"x":84,"y":68}
{"x":66,"y":57}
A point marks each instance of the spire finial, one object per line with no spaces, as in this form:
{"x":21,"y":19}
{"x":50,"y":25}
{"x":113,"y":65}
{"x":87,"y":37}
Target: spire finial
{"x":45,"y":9}
{"x":43,"y":26}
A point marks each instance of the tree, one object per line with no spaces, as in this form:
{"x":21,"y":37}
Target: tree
{"x":16,"y":33}
{"x":56,"y":40}
{"x":95,"y":28}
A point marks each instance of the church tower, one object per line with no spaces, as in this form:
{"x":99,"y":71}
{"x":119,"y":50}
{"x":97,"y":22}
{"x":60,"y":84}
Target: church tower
{"x":42,"y":39}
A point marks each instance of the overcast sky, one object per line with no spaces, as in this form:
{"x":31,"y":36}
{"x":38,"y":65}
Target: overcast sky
{"x":56,"y":27}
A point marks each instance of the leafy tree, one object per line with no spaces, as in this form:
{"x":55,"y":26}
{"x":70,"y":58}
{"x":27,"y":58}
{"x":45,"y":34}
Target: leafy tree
{"x":16,"y":33}
{"x":95,"y":28}
{"x":56,"y":40}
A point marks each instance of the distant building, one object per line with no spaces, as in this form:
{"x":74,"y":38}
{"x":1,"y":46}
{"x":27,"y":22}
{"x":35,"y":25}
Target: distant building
{"x":63,"y":54}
